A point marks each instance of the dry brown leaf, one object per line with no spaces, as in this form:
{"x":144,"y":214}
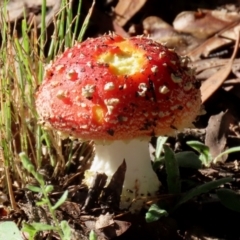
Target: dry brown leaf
{"x":119,"y":30}
{"x":126,"y":9}
{"x":106,"y":227}
{"x":203,"y":64}
{"x":232,"y":82}
{"x":162,"y":32}
{"x":209,"y":45}
{"x":210,"y":85}
{"x":216,"y":134}
{"x":216,"y":63}
{"x":216,"y":41}
{"x":104,"y":221}
{"x":204,"y":23}
{"x":208,"y":72}
{"x":17,"y":8}
{"x":207,"y":67}
{"x":122,"y":226}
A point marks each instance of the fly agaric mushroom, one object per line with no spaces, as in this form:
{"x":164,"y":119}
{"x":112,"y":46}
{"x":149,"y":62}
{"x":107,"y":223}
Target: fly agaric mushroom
{"x":120,"y":92}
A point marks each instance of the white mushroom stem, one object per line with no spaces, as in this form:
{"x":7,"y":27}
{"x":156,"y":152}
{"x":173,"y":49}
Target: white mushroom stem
{"x":141,"y":182}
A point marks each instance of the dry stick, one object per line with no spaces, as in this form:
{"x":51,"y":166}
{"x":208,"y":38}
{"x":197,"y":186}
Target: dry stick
{"x":9,"y":183}
{"x":215,"y":81}
{"x":10,"y":189}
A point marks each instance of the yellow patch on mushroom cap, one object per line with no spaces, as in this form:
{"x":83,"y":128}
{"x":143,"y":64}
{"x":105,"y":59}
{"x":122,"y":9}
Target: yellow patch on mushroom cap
{"x":126,"y":59}
{"x":98,"y":113}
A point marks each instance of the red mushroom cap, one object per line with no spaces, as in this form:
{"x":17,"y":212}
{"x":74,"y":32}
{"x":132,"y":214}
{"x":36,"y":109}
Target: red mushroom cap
{"x":111,"y":88}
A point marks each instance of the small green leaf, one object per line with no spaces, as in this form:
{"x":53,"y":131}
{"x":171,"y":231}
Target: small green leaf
{"x":92,"y":235}
{"x":159,"y":160}
{"x":26,"y":162}
{"x":172,"y":169}
{"x":61,"y":200}
{"x":201,"y":189}
{"x":49,"y":188}
{"x":39,"y":178}
{"x":230,"y":150}
{"x":205,"y":155}
{"x":42,"y":226}
{"x":42,"y":202}
{"x":28,"y":227}
{"x":155,"y":213}
{"x":229,"y":199}
{"x":188,"y":159}
{"x":30,"y":230}
{"x":66,"y":230}
{"x":9,"y":231}
{"x":34,"y":188}
{"x":159,"y":147}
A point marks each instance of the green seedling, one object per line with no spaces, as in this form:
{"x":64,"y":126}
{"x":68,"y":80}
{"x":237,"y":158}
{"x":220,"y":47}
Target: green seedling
{"x":92,"y":235}
{"x":172,"y":163}
{"x":205,"y":155}
{"x":62,"y":228}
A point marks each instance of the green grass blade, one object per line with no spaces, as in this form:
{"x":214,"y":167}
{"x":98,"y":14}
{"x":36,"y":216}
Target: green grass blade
{"x":205,"y":155}
{"x":77,"y":22}
{"x":230,"y":150}
{"x":172,"y":169}
{"x":86,"y":22}
{"x":42,"y":40}
{"x":229,"y":199}
{"x":204,"y":188}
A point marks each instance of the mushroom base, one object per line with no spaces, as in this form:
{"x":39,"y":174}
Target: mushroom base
{"x":141,"y":182}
